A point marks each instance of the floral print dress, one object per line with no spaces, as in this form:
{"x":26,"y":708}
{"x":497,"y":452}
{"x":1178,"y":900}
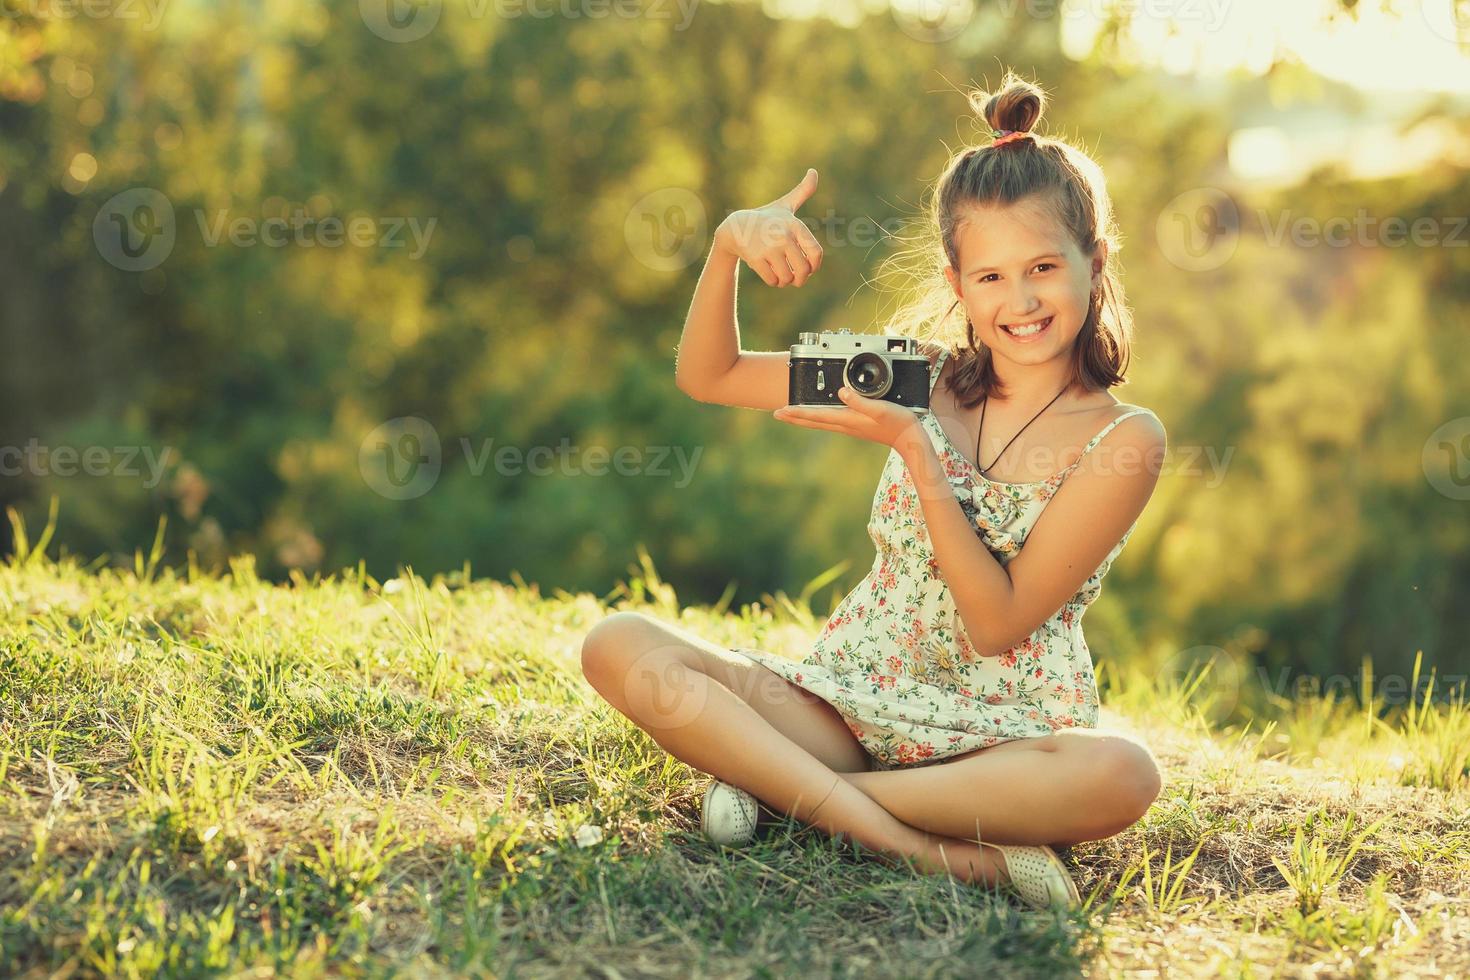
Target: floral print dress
{"x":894,"y":658}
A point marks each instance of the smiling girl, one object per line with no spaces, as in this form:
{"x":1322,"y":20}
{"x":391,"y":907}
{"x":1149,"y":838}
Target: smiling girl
{"x":947,"y":714}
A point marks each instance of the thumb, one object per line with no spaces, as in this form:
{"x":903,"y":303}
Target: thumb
{"x":798,"y":195}
{"x":855,"y":401}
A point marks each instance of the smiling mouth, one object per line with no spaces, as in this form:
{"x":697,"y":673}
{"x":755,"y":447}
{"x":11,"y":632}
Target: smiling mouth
{"x":1027,"y":329}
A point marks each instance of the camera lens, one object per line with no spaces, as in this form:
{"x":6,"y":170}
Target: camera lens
{"x":869,"y":375}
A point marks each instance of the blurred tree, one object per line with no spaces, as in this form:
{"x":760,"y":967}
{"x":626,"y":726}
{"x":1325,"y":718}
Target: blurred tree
{"x":506,"y":291}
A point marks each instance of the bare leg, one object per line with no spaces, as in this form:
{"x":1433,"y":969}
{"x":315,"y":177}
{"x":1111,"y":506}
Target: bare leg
{"x":1074,"y":785}
{"x":687,"y":695}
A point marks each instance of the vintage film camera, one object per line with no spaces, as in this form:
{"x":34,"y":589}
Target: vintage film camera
{"x":885,"y":367}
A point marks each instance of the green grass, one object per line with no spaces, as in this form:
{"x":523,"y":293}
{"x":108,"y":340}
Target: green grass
{"x":210,"y":774}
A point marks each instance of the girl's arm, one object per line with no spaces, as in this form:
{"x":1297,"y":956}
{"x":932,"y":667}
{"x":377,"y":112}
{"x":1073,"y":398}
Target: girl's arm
{"x":1001,"y":605}
{"x":711,"y":367}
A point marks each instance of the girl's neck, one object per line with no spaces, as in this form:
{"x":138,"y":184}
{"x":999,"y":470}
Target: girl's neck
{"x":1030,"y":386}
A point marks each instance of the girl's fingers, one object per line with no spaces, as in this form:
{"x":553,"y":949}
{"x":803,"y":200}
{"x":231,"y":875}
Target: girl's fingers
{"x":800,"y":267}
{"x":852,"y":400}
{"x":819,"y":419}
{"x":774,"y":270}
{"x":766,"y":271}
{"x":809,"y":246}
{"x":837,"y":412}
{"x":806,"y":424}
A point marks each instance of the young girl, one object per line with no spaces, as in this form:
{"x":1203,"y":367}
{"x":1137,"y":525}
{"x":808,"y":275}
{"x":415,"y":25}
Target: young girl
{"x":951,"y":694}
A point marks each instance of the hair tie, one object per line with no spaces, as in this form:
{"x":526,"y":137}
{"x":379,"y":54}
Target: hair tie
{"x":1004,"y":136}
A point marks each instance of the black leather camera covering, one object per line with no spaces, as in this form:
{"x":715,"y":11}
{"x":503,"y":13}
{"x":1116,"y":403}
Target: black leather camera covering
{"x":910,"y":382}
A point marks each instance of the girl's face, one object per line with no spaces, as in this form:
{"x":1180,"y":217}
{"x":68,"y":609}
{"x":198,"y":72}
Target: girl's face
{"x":1019,"y":267}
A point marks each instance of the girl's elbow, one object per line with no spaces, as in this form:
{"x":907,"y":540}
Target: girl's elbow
{"x":994,"y":645}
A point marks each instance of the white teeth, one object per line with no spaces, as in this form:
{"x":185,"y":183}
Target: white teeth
{"x":1029,"y":329}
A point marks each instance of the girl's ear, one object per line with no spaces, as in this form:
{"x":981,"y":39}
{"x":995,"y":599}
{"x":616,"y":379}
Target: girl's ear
{"x":954,"y":280}
{"x":1099,"y":258}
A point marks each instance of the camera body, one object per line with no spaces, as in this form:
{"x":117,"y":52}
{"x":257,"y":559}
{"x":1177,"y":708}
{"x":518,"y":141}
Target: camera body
{"x":884,"y":367}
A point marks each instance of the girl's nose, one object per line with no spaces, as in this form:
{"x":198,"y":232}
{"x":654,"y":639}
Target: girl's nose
{"x":1022,"y":303}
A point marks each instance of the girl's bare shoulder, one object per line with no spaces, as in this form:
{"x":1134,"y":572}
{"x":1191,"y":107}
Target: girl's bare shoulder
{"x":1147,"y":428}
{"x":1097,"y":411}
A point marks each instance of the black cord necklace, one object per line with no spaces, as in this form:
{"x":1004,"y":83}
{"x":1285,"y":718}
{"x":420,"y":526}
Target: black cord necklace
{"x":1014,"y":437}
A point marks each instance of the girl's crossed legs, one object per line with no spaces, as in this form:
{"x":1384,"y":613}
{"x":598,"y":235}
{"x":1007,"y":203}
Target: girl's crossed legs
{"x":726,"y":715}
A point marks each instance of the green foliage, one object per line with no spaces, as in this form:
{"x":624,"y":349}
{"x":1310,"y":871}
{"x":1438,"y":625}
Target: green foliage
{"x":256,"y":374}
{"x":1318,"y":863}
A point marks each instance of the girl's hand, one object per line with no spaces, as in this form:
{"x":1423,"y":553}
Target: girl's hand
{"x":772,"y":240}
{"x":864,"y":418}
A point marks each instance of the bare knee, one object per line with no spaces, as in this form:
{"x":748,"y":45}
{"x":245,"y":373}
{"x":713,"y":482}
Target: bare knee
{"x":1129,"y":781}
{"x":609,"y":647}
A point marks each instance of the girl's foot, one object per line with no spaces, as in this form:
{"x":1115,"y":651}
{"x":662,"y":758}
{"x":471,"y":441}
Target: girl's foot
{"x":1037,"y":875}
{"x":728,"y":814}
{"x":1033,"y":872}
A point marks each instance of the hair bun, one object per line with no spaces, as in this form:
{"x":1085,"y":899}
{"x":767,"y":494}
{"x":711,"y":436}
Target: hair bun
{"x":1016,"y":105}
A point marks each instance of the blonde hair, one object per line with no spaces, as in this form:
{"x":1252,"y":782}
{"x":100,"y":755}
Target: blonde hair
{"x":1069,"y":185}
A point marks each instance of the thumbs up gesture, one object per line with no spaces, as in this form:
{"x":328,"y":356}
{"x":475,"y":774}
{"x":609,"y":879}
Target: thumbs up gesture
{"x":772,"y":240}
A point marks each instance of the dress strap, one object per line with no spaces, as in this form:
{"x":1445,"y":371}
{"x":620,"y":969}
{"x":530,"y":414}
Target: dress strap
{"x":1109,"y":428}
{"x":938,"y":369}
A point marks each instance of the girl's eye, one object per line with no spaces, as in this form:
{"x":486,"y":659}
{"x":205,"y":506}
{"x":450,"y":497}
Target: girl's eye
{"x":1049,"y":265}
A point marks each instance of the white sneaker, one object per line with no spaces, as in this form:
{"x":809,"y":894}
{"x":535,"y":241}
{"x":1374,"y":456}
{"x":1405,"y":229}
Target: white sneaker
{"x":728,"y":815}
{"x":1038,"y":876}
